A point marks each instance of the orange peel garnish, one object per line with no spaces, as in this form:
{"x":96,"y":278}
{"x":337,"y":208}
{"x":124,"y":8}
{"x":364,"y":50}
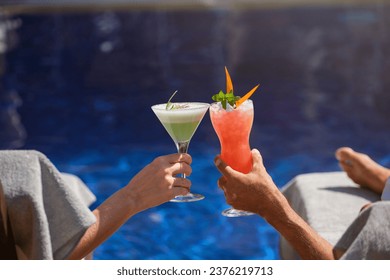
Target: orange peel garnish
{"x":229,"y":84}
{"x":246,"y":96}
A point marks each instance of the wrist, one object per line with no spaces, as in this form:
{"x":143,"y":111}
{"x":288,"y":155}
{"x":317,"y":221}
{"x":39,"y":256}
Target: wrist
{"x":132,"y":199}
{"x":279,"y":212}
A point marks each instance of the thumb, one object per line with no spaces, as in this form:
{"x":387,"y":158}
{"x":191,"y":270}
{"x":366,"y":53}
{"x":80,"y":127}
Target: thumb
{"x":225,"y":169}
{"x":257,"y":160}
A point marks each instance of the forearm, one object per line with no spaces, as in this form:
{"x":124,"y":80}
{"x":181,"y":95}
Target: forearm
{"x":304,"y":239}
{"x":155,"y":184}
{"x":110,"y":215}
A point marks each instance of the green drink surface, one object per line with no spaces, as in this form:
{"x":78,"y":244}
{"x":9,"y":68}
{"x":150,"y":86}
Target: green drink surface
{"x":182,"y":121}
{"x":181,"y":131}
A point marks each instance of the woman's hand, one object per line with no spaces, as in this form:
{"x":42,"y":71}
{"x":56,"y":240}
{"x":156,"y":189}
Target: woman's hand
{"x":157,"y":182}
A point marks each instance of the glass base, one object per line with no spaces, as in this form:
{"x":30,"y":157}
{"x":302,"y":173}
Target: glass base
{"x":236,"y":213}
{"x":190,"y":197}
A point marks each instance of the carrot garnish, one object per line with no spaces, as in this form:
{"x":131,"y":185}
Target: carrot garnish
{"x":229,"y":84}
{"x":246,"y":96}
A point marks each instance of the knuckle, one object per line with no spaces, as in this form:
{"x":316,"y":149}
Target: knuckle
{"x":168,"y":179}
{"x":186,"y":158}
{"x":158,"y":161}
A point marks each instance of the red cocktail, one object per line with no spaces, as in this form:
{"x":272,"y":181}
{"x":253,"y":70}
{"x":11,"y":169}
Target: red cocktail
{"x":233,"y":127}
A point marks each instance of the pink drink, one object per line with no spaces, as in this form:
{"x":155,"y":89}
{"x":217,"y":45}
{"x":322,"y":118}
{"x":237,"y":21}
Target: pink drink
{"x":233,"y":129}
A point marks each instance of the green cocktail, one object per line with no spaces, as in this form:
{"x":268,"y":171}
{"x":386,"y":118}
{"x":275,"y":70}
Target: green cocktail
{"x":181,"y":131}
{"x":181,"y":121}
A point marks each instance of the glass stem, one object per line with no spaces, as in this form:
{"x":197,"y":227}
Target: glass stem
{"x":182,"y":148}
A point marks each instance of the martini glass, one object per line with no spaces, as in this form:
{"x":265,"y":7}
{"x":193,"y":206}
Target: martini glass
{"x":233,"y":128}
{"x":181,"y":122}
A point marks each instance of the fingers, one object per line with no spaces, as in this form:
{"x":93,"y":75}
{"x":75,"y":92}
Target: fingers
{"x":222,"y":185}
{"x":229,"y":196}
{"x":225,"y":169}
{"x":175,"y":164}
{"x":181,"y":182}
{"x":173,"y":158}
{"x":181,"y":186}
{"x":180,"y":164}
{"x":179,"y":191}
{"x":257,"y":160}
{"x":222,"y":182}
{"x":181,"y":168}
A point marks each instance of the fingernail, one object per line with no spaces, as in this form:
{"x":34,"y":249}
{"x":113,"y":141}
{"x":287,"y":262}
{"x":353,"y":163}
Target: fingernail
{"x":217,"y":161}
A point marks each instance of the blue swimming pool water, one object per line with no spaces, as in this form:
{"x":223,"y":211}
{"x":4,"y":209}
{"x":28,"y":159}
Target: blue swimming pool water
{"x":79,"y":86}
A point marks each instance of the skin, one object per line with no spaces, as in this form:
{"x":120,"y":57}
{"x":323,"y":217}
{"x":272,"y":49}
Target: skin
{"x":362,"y":169}
{"x":153,"y":185}
{"x":256,"y":192}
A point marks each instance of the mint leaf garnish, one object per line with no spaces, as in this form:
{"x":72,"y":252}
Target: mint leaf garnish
{"x":225,"y":98}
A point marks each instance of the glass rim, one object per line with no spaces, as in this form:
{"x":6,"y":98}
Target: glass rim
{"x":248,"y":102}
{"x":162,"y":107}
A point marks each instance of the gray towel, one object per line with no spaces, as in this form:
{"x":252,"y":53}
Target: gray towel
{"x":46,"y":214}
{"x":368,"y":237}
{"x":329,"y":202}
